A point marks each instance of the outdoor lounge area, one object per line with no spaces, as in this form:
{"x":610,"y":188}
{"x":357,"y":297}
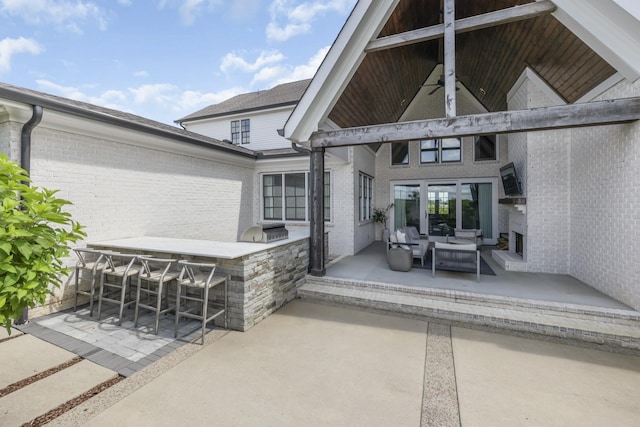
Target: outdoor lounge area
{"x":370,"y":265}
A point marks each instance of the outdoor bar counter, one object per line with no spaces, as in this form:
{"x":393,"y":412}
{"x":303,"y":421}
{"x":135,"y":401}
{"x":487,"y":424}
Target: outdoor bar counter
{"x":263,"y":276}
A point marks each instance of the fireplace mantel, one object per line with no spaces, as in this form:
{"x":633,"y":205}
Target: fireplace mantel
{"x":513,"y":201}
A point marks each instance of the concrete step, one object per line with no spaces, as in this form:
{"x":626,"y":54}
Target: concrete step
{"x":25,"y":356}
{"x":611,"y":327}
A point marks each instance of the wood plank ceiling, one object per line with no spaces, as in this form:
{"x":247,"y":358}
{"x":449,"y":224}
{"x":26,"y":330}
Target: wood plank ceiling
{"x":488,"y":62}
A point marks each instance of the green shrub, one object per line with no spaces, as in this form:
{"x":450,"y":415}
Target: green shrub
{"x":35,"y":234}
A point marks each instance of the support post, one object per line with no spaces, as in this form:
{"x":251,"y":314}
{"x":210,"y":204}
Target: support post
{"x":450,"y":58}
{"x":316,"y":240}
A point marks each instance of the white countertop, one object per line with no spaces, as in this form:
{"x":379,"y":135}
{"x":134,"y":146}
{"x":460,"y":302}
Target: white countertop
{"x":204,"y":248}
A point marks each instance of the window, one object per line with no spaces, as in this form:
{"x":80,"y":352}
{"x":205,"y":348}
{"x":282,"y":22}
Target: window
{"x":446,"y":150}
{"x":400,"y":153}
{"x":451,"y":149}
{"x":241,"y":131}
{"x":429,"y":151}
{"x":245,"y":129}
{"x":484,"y":148}
{"x":272,"y":196}
{"x":235,"y":131}
{"x":365,"y":197}
{"x":292,"y":203}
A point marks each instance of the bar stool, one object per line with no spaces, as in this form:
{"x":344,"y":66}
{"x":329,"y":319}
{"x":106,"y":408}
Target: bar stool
{"x":157,"y":274}
{"x":93,"y":267}
{"x":123,"y":268}
{"x":196,"y":279}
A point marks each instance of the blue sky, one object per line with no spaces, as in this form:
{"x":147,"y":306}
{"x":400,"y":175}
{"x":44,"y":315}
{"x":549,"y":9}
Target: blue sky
{"x":163,"y":59}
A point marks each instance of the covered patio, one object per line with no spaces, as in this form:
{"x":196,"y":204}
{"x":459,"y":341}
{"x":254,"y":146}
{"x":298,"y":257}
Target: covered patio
{"x":370,"y":265}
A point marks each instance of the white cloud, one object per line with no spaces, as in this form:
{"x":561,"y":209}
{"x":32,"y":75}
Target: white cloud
{"x":280,"y":74}
{"x":110,"y":98}
{"x":160,"y":93}
{"x":189,"y":10}
{"x":161,"y":102}
{"x":289,"y":20}
{"x":233,"y":61}
{"x":141,"y":74}
{"x":10,"y":47}
{"x":191,"y":101}
{"x":63,"y":14}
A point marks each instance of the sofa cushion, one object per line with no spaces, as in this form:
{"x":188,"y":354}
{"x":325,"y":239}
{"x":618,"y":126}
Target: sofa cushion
{"x":451,"y":246}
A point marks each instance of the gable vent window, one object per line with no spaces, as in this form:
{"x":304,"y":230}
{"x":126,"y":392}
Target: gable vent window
{"x":484,"y":148}
{"x":241,"y":131}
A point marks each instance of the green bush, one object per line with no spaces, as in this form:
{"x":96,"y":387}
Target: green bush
{"x":35,"y":234}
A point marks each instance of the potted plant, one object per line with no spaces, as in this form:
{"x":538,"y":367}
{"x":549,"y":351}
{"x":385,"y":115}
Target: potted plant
{"x":381,"y":215}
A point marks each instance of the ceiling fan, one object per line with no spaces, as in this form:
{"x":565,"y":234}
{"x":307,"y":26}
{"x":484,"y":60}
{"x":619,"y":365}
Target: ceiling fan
{"x":440,"y":84}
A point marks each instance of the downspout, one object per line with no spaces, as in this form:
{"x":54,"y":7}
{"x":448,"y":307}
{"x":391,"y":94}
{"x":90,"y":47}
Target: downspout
{"x":25,"y":138}
{"x":25,"y":163}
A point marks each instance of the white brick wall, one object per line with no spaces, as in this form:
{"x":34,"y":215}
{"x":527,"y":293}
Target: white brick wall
{"x":605,"y":205}
{"x":583,"y":198}
{"x":547,"y":183}
{"x":10,"y":140}
{"x":122,"y":190}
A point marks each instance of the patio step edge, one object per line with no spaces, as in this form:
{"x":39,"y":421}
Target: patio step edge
{"x":592,"y":331}
{"x":602,"y":314}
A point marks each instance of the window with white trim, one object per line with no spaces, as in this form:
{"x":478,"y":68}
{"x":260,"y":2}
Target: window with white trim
{"x":286,"y":196}
{"x":365,"y":198}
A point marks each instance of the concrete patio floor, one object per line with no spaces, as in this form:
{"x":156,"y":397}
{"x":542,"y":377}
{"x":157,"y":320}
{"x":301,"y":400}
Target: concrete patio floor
{"x":315,"y":365}
{"x":370,"y":265}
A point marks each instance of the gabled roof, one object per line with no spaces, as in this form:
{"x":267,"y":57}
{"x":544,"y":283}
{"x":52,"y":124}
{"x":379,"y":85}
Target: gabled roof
{"x":574,"y":49}
{"x":116,"y":118}
{"x":278,"y":96}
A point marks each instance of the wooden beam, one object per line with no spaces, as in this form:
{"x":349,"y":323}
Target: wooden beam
{"x":316,"y":239}
{"x":449,"y":58}
{"x":486,"y":20}
{"x":545,"y":118}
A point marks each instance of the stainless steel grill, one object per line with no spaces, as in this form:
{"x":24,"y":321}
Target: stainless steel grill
{"x":265,"y":233}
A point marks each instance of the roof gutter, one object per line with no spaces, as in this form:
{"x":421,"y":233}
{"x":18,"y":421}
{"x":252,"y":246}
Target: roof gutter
{"x":87,"y":113}
{"x":25,"y":163}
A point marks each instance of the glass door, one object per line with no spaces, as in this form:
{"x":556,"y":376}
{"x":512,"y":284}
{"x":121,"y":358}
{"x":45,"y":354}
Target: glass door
{"x":406,"y":206}
{"x":441,"y":209}
{"x":477,"y":208}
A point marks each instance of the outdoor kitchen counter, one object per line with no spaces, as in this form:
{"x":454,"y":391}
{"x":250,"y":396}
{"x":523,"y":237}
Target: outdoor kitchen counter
{"x":263,"y":276}
{"x":194,"y":247}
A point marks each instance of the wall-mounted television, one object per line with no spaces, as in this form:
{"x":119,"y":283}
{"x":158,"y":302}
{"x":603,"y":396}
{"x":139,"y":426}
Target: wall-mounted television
{"x":510,"y":180}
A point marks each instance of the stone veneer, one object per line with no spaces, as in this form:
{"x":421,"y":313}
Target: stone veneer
{"x":263,"y":282}
{"x":260,"y":283}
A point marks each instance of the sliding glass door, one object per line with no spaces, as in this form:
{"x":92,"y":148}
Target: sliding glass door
{"x":476,"y":207}
{"x":437,"y":208}
{"x":441,"y":209}
{"x":406,"y":206}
